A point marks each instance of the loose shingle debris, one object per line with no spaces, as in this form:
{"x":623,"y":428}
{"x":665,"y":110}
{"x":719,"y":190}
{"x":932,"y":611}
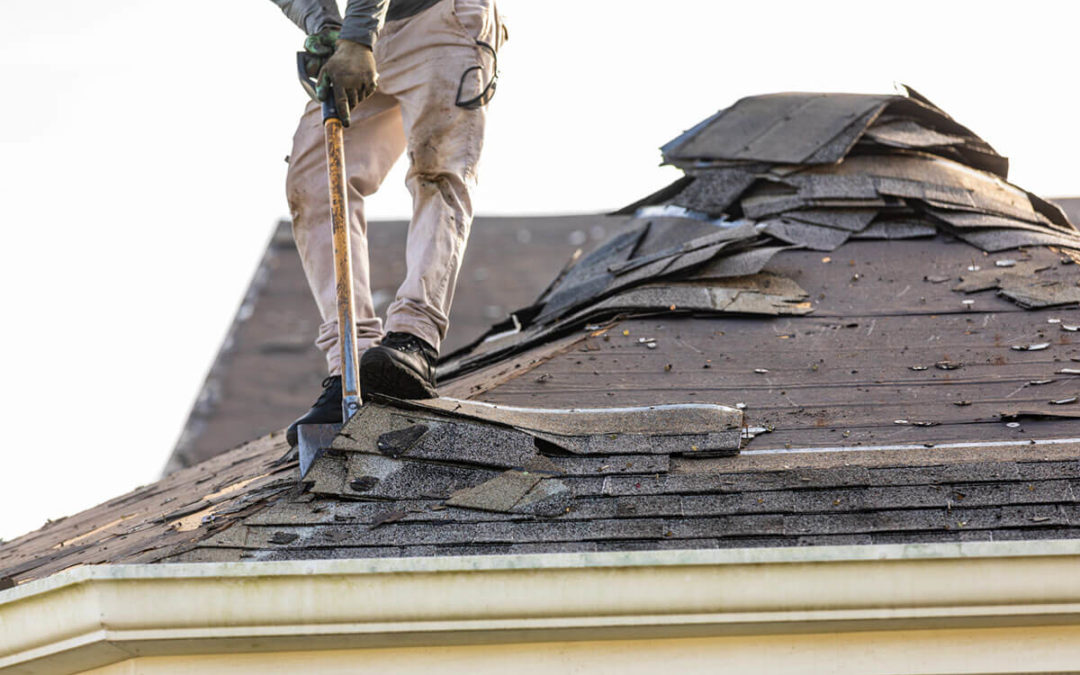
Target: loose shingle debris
{"x":507,"y":459}
{"x":988,"y":279}
{"x":791,"y":171}
{"x":1040,"y":293}
{"x":872,"y":166}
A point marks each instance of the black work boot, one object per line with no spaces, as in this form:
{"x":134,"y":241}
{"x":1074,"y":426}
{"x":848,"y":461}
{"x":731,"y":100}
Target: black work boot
{"x":327,"y":408}
{"x":402,"y":366}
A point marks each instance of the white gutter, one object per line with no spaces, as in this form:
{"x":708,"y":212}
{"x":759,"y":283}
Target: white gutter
{"x":92,"y":616}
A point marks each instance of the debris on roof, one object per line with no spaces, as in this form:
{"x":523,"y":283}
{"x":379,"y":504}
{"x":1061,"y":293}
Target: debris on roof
{"x":451,"y":450}
{"x":1030,"y":293}
{"x":805,"y":171}
{"x":888,"y":381}
{"x":816,"y":128}
{"x":853,"y":161}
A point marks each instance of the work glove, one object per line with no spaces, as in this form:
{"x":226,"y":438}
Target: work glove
{"x":319,"y":48}
{"x":351,"y":71}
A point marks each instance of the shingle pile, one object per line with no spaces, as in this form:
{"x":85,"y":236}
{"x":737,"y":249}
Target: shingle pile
{"x":817,"y":169}
{"x":507,"y":459}
{"x":790,"y":171}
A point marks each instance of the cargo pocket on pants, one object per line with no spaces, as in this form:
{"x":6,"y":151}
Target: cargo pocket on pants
{"x":478,"y":21}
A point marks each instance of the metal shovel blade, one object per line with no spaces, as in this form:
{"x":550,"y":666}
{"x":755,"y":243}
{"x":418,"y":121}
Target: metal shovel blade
{"x":313,"y":440}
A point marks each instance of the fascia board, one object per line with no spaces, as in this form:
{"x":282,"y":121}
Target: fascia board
{"x":102,"y":614}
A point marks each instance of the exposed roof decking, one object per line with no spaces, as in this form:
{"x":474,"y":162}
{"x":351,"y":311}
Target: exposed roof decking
{"x":881,"y":326}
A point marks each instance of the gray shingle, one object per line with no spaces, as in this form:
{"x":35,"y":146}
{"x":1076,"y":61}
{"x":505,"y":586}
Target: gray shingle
{"x":500,"y":493}
{"x":970,"y":472}
{"x":612,"y":464}
{"x":373,"y":476}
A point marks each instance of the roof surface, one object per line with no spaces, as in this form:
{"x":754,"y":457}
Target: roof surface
{"x":268,"y":369}
{"x":867,"y":367}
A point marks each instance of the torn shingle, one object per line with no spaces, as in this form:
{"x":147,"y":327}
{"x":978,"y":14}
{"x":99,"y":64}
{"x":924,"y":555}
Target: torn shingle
{"x":748,"y":130}
{"x":658,"y":419}
{"x":745,"y":263}
{"x":986,"y":279}
{"x":1001,"y":239}
{"x":1033,"y":293}
{"x":550,"y":497}
{"x":906,"y":133}
{"x":501,"y":493}
{"x":705,"y":297}
{"x":813,"y":237}
{"x":377,"y":477}
{"x":896,"y":228}
{"x":714,"y":190}
{"x":852,"y":220}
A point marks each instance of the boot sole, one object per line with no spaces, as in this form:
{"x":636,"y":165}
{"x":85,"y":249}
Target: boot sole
{"x":381,"y":374}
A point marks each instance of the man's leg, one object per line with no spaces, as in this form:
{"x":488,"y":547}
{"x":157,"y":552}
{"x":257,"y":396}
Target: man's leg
{"x":444,"y":143}
{"x":373,"y":142}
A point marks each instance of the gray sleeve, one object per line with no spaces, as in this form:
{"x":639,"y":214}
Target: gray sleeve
{"x":363,"y":20}
{"x":311,"y":15}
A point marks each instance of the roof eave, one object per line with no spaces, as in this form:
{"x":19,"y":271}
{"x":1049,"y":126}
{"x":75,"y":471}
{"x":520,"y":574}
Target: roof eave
{"x":93,"y":616}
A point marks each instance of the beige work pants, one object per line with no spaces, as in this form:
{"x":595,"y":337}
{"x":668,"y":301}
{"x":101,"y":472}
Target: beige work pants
{"x":421,"y":61}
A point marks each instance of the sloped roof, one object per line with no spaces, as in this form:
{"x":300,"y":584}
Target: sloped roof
{"x":904,"y":385}
{"x":268,"y":369}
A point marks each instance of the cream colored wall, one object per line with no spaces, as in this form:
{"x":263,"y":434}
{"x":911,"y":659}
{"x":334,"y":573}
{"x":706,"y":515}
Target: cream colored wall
{"x":990,"y":650}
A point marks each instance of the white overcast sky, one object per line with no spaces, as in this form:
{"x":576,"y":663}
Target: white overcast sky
{"x":141,"y":169}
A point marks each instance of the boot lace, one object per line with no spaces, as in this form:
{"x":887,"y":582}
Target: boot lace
{"x":331,"y":390}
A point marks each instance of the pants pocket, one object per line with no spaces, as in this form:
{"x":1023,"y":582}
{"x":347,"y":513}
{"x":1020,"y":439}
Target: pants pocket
{"x":474,"y":18}
{"x":478,"y":21}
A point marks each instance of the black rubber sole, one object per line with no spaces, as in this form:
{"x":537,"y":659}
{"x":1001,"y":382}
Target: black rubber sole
{"x":380,"y":373}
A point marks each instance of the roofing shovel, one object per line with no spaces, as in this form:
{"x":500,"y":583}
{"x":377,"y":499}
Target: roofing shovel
{"x":315,"y":438}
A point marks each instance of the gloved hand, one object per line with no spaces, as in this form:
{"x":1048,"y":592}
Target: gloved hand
{"x":351,"y":71}
{"x":320,"y":47}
